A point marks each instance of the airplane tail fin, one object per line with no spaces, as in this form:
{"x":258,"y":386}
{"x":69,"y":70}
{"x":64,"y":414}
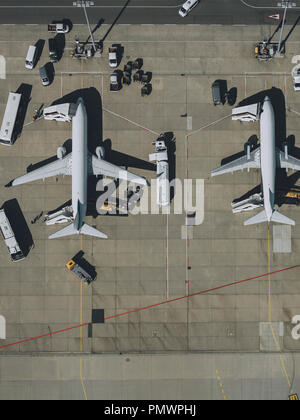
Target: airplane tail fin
{"x":258,"y":218}
{"x":262,"y":217}
{"x":280,"y":218}
{"x":72,"y":230}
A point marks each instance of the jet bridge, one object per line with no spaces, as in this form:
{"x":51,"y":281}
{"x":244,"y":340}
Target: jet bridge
{"x":60,"y":112}
{"x":250,"y":203}
{"x":62,"y":216}
{"x":248,"y":113}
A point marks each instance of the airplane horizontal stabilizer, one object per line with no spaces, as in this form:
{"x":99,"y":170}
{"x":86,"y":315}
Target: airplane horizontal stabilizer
{"x":67,"y":231}
{"x":89,"y":230}
{"x":280,"y":218}
{"x":258,"y":218}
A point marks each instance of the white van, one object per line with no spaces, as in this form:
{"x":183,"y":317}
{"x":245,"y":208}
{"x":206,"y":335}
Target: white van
{"x":31,"y":57}
{"x":187,"y":7}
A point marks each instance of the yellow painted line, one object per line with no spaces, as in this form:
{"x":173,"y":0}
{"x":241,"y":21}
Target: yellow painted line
{"x":81,"y":305}
{"x":221,"y":385}
{"x":82,"y":382}
{"x":270,"y":316}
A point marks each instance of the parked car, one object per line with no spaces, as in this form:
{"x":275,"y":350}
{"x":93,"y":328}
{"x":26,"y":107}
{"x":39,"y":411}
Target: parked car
{"x":44,"y":76}
{"x":216,"y":93}
{"x":112,"y":55}
{"x":187,"y":7}
{"x":53,"y":50}
{"x":59,"y":27}
{"x":31,"y":57}
{"x":116,"y":81}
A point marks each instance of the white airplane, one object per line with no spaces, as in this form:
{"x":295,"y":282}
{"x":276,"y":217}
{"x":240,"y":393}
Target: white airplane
{"x":266,"y":157}
{"x":80,"y":163}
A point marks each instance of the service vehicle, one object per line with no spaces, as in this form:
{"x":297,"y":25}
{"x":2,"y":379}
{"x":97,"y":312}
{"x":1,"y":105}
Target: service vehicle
{"x":53,"y":50}
{"x":8,"y":235}
{"x":59,"y":28}
{"x":296,"y":80}
{"x":187,"y":7}
{"x":8,"y":132}
{"x":82,"y":269}
{"x":116,"y":81}
{"x":146,"y":89}
{"x":216,"y":92}
{"x":112,"y":55}
{"x":44,"y":76}
{"x":30,"y":61}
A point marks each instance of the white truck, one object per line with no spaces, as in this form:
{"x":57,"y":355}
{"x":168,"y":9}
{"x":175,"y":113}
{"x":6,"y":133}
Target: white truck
{"x":8,"y":132}
{"x":112,"y":55}
{"x":162,"y":169}
{"x":59,"y":28}
{"x":13,"y":247}
{"x":296,"y":79}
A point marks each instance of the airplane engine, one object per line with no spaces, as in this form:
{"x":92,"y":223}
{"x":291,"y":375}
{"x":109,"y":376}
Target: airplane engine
{"x":61,"y":152}
{"x":100,"y":152}
{"x":286,"y":149}
{"x":250,"y":145}
{"x":247,"y":149}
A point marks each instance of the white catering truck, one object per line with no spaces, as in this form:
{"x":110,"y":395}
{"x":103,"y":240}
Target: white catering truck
{"x":13,"y":247}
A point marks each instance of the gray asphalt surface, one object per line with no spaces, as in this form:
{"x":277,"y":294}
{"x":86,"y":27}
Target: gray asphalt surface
{"x":226,"y":12}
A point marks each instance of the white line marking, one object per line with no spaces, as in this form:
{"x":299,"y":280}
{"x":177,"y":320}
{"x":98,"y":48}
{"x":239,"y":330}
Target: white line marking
{"x":132,"y":122}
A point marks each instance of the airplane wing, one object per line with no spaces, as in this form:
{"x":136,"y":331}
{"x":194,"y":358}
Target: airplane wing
{"x":101,"y":167}
{"x":58,"y":167}
{"x":244,"y":162}
{"x":289,"y":163}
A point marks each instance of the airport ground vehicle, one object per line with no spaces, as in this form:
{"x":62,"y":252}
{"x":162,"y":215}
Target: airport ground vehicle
{"x":116,"y":81}
{"x":13,"y":247}
{"x":44,"y":76}
{"x":296,"y":80}
{"x":59,"y":27}
{"x":53,"y":51}
{"x":128,"y":67}
{"x":138,"y":64}
{"x":216,"y":93}
{"x":112,"y":55}
{"x":137,"y":77}
{"x":146,"y":90}
{"x":82,"y":269}
{"x":126,"y":78}
{"x":8,"y":132}
{"x":142,"y":77}
{"x":187,"y":7}
{"x":31,"y":57}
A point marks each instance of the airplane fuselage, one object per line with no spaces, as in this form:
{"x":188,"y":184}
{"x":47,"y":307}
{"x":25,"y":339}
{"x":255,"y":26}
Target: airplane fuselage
{"x":79,"y":164}
{"x":268,"y":156}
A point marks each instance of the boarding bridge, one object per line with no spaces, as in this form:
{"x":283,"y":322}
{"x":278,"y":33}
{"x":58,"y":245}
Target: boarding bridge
{"x":161,"y":157}
{"x":248,"y":113}
{"x":61,"y":112}
{"x":250,"y":203}
{"x":62,"y":216}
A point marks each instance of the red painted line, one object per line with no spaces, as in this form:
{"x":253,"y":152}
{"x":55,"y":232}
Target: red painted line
{"x":201,"y":293}
{"x":44,"y":335}
{"x":153,"y":306}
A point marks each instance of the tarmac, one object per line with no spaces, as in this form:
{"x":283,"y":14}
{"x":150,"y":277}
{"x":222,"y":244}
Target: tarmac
{"x":151,"y":259}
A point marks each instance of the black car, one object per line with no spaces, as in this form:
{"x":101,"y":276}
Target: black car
{"x":53,"y":50}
